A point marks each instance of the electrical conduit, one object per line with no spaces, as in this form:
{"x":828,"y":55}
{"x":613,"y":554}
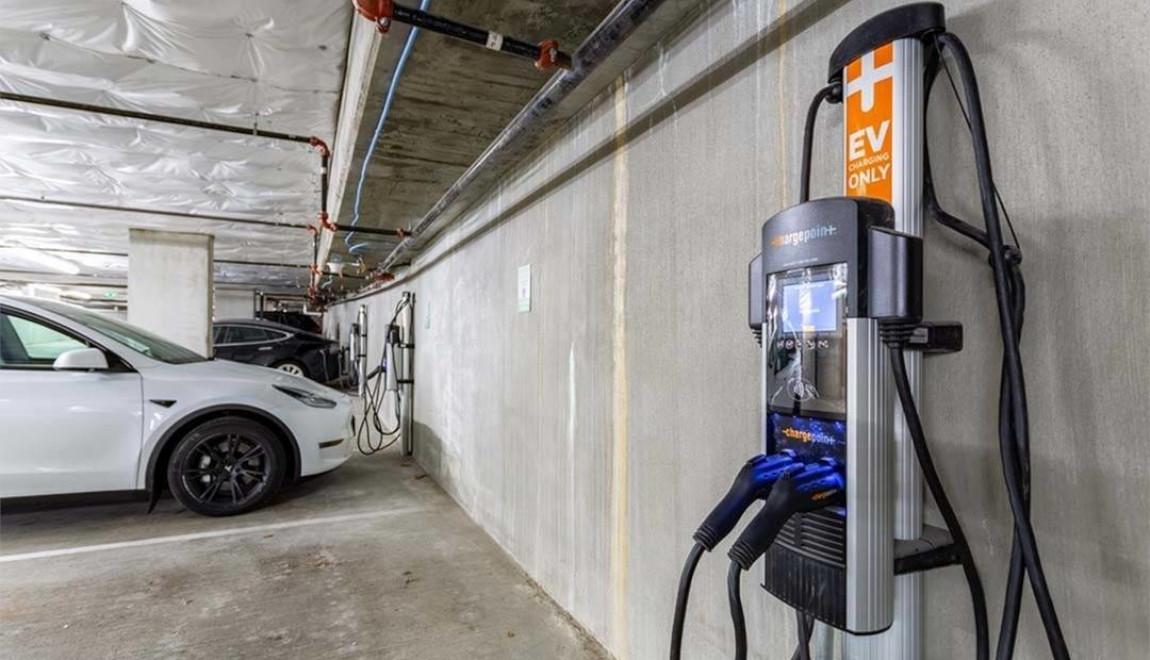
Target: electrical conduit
{"x":400,"y":64}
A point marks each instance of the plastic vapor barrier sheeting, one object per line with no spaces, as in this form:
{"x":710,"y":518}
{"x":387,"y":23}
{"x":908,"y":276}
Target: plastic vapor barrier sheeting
{"x":263,"y":64}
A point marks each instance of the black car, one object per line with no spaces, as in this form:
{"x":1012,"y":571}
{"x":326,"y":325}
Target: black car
{"x":297,"y":320}
{"x":280,"y":347}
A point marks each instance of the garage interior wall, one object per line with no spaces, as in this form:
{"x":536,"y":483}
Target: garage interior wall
{"x":590,"y":435}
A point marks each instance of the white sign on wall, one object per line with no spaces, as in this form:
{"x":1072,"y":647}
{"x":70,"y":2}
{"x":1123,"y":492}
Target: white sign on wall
{"x":525,"y":288}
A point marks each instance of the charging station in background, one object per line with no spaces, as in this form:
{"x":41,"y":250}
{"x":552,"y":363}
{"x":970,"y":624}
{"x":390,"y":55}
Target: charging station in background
{"x":386,"y":392}
{"x":835,"y":300}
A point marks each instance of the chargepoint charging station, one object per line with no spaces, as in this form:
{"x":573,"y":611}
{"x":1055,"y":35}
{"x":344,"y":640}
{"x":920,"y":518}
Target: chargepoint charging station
{"x":836,"y":300}
{"x":387,"y":390}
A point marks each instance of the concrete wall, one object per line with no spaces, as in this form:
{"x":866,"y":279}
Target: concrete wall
{"x":170,"y":286}
{"x":590,"y":435}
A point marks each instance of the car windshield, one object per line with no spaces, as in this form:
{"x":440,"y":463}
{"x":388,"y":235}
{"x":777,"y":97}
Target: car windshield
{"x":134,"y":338}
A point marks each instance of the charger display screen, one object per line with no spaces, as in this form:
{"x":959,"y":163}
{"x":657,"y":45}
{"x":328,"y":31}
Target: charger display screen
{"x":810,"y":307}
{"x":806,"y":317}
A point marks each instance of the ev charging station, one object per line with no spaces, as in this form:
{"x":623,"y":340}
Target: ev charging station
{"x":835,"y":300}
{"x":392,"y":380}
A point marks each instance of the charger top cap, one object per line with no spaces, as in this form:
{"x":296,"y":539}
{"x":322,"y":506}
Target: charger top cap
{"x":914,"y":20}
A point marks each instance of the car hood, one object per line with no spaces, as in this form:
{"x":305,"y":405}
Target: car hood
{"x":225,"y":370}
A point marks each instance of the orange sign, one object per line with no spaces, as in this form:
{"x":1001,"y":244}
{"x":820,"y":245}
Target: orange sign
{"x":870,"y":124}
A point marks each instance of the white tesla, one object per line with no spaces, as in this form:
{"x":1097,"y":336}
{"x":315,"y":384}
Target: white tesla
{"x":88,"y":403}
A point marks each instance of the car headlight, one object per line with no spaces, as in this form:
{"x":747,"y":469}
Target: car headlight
{"x":305,"y":397}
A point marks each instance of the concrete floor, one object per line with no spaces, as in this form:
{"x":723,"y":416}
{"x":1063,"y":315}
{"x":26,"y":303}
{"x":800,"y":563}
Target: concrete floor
{"x":370,"y":560}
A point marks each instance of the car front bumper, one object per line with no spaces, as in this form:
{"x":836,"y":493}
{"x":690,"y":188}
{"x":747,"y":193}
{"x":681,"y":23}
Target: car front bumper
{"x":324,"y":436}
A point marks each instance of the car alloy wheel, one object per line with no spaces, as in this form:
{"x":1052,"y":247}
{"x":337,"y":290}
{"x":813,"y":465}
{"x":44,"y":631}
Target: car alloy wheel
{"x":226,"y":466}
{"x":292,"y":368}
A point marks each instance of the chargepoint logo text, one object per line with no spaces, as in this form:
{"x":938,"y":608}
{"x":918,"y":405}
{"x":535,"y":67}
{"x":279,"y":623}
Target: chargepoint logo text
{"x":804,"y":236}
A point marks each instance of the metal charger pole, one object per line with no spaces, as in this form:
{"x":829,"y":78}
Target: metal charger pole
{"x":883,"y":101}
{"x":359,"y":350}
{"x":407,"y":374}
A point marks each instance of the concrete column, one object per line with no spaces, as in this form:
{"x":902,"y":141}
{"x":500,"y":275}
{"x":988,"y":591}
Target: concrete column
{"x":170,"y":286}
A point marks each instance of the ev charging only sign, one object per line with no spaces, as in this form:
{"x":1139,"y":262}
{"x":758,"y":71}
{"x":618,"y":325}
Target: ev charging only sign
{"x":869,"y":124}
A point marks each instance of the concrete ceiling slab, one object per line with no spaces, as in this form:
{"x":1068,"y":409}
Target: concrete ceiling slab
{"x":452,"y":100}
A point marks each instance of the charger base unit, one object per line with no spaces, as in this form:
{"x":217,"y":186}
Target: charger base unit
{"x":829,"y":270}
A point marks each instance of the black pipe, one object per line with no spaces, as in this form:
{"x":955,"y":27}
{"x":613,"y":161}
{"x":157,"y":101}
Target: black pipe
{"x":371,"y":231}
{"x":106,"y":253}
{"x":190,"y":216}
{"x":324,"y":160}
{"x":147,"y":116}
{"x":426,"y":21}
{"x":167,"y":214}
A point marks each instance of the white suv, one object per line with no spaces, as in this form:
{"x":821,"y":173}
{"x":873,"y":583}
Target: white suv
{"x":88,"y":403}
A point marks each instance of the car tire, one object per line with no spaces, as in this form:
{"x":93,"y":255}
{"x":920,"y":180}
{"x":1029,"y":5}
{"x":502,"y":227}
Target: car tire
{"x":292,"y":367}
{"x":226,"y":466}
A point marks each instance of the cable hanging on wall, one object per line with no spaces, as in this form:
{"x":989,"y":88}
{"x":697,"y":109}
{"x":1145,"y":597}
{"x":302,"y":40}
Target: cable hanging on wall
{"x":378,"y":383}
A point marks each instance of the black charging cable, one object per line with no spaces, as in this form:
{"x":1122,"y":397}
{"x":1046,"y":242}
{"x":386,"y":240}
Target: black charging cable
{"x":895,"y":336}
{"x":375,"y":394}
{"x":1012,"y":603}
{"x":1008,"y":440}
{"x":806,"y":626}
{"x":684,"y":595}
{"x":833,"y":93}
{"x":753,"y":482}
{"x":735,"y":602}
{"x":756,"y":479}
{"x":804,"y":623}
{"x":1014,"y":445}
{"x":818,"y":485}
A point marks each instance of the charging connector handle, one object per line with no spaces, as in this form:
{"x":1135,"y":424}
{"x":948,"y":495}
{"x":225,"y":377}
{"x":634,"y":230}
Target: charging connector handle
{"x":817,"y":486}
{"x":753,"y":482}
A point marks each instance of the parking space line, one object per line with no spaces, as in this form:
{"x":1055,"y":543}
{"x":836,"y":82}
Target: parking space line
{"x":214,"y":534}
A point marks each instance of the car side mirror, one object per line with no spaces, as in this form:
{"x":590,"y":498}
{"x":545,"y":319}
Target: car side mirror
{"x":81,"y":359}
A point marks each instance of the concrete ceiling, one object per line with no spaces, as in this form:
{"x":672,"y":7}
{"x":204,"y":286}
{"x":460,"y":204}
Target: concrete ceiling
{"x":452,"y":100}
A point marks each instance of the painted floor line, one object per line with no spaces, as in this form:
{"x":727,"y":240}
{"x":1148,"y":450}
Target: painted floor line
{"x":214,"y":534}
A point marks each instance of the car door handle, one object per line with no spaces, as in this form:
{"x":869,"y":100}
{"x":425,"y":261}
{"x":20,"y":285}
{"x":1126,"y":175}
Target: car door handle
{"x":265,"y":348}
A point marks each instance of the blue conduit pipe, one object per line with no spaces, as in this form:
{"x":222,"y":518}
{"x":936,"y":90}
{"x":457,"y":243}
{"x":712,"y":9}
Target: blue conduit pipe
{"x":408,"y":44}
